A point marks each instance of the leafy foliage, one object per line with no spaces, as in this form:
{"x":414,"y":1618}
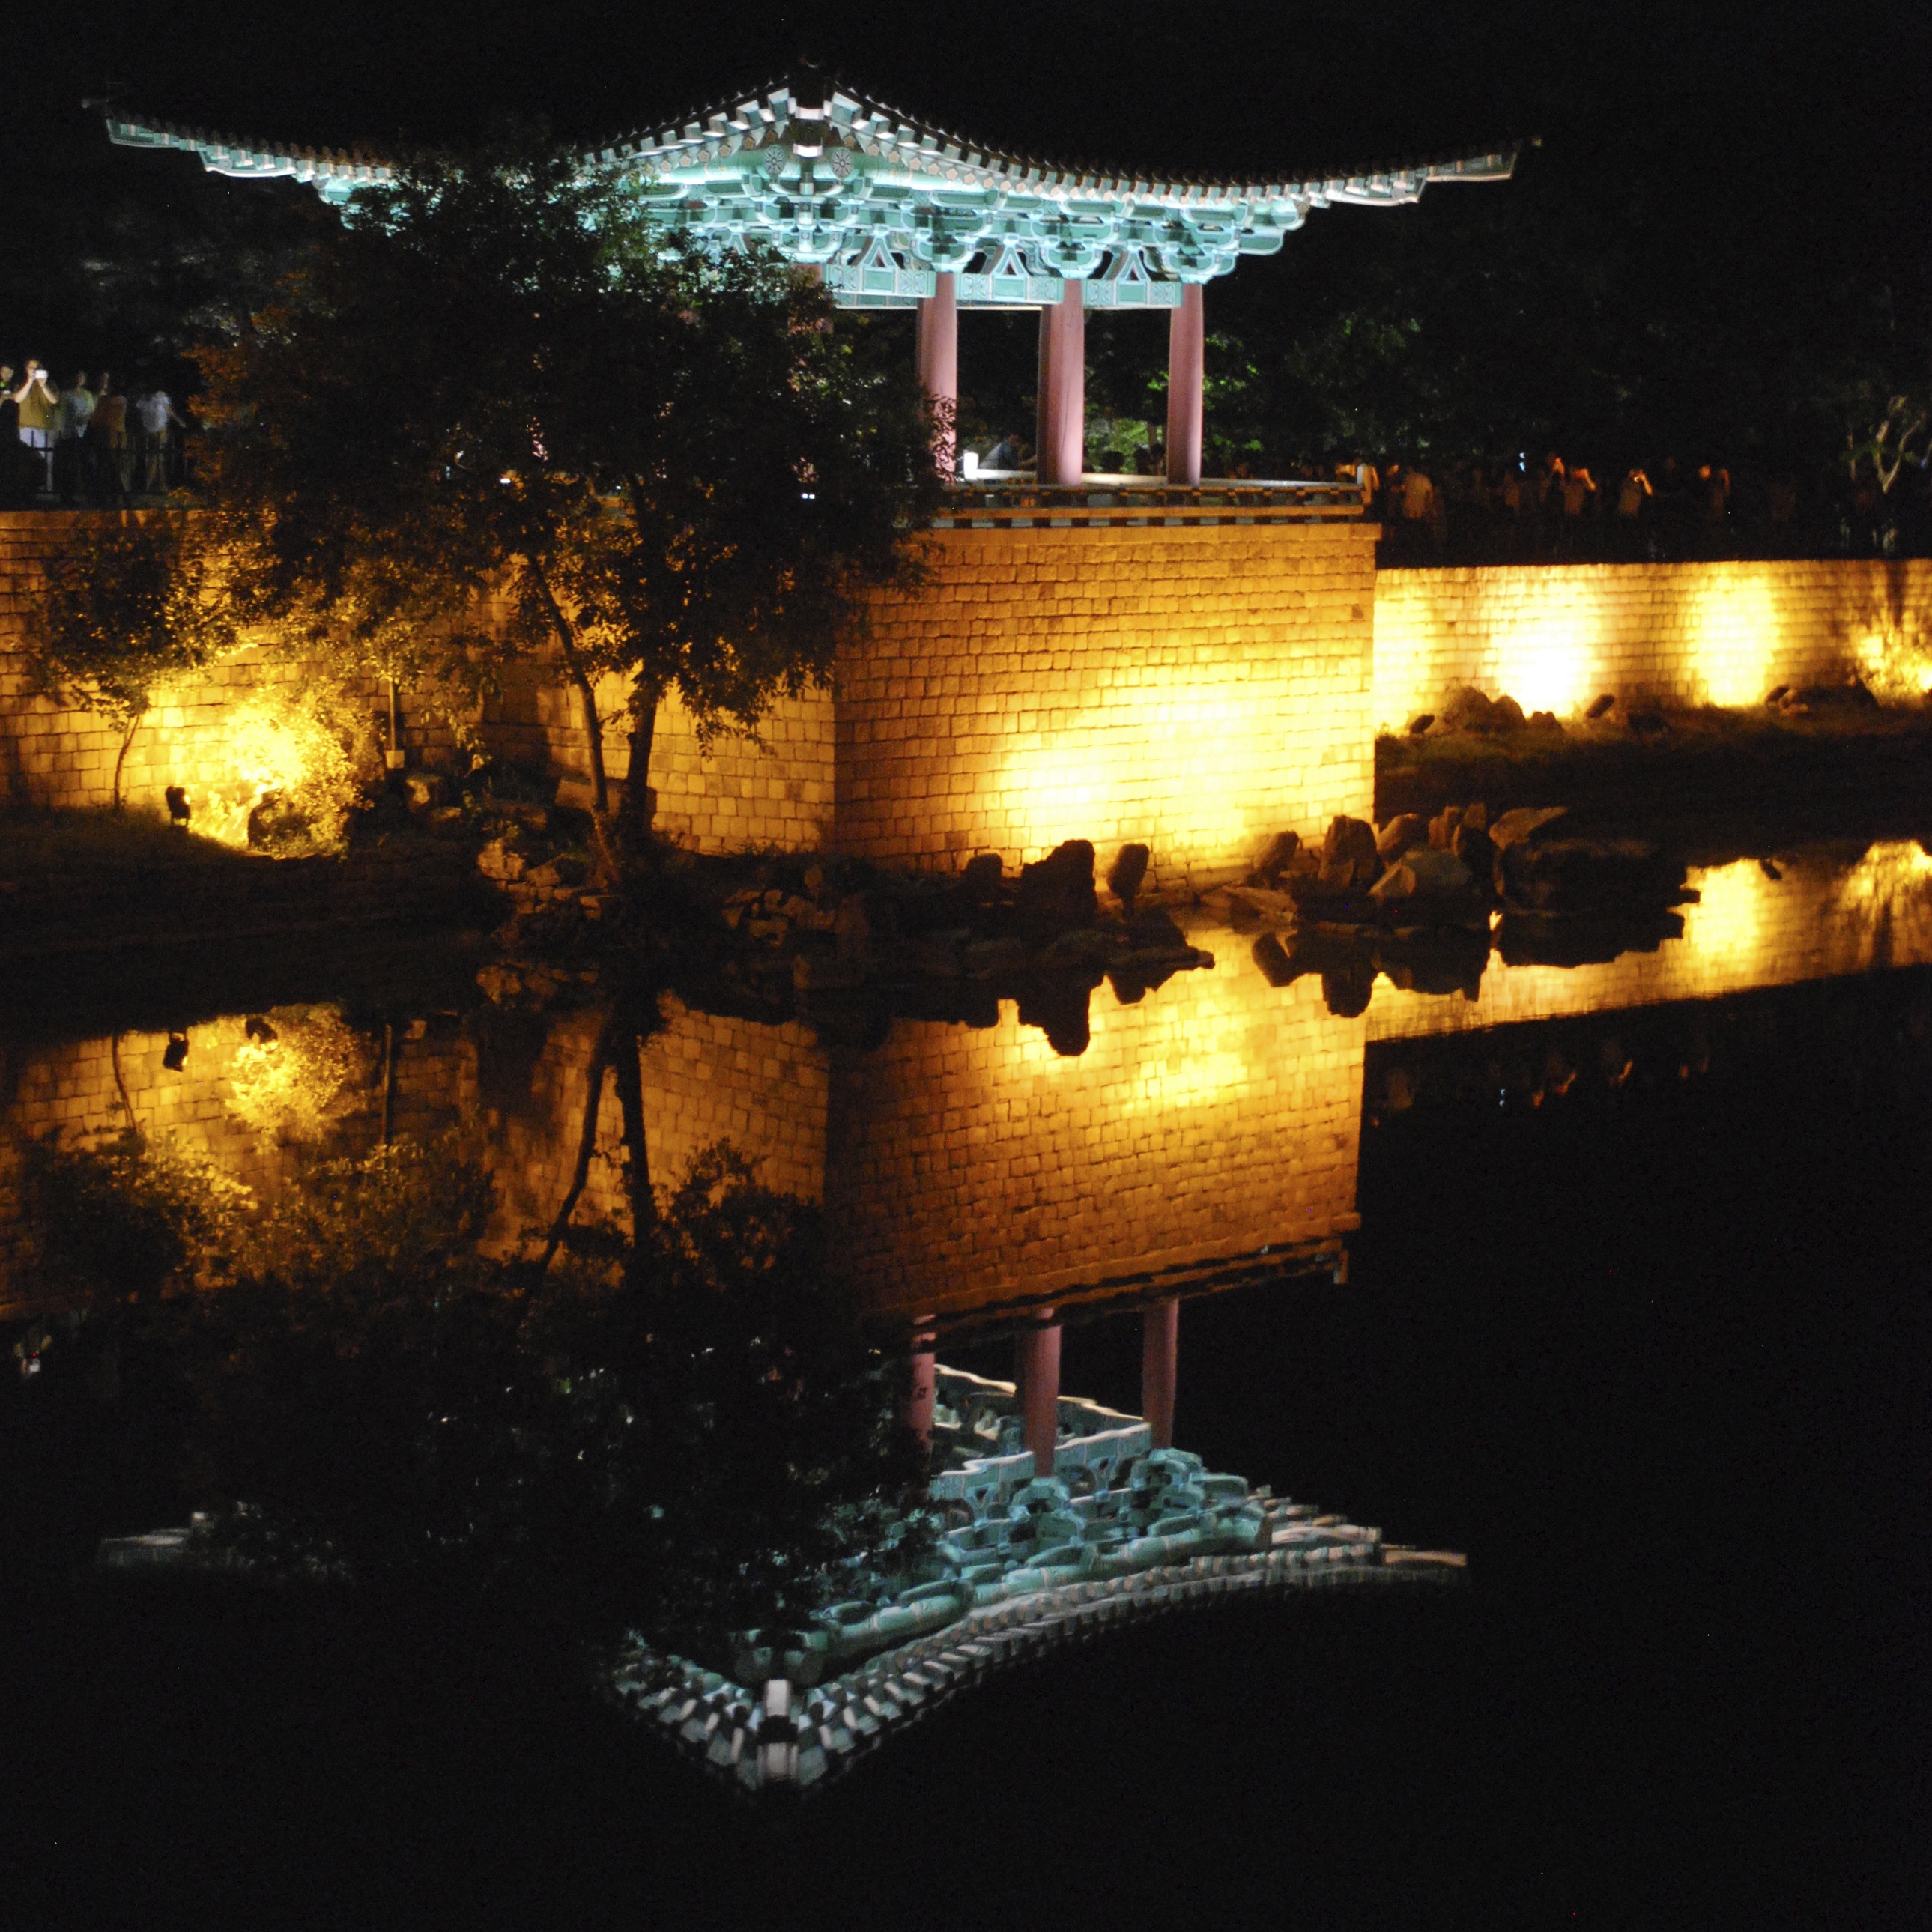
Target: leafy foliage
{"x":142,"y":604}
{"x":682,"y":1434}
{"x":496,"y":417}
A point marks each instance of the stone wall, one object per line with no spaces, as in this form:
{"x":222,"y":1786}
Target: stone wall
{"x":1197,"y":687}
{"x":1554,"y":636}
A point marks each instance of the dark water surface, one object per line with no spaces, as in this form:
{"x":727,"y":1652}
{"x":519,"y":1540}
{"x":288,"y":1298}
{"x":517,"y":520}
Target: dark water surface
{"x":1637,"y":1314}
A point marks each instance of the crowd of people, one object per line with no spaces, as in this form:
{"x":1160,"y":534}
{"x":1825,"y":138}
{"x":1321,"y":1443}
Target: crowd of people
{"x":1559,"y":511}
{"x":88,"y":440}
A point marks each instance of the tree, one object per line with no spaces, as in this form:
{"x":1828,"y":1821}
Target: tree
{"x":142,"y":605}
{"x":497,"y":380}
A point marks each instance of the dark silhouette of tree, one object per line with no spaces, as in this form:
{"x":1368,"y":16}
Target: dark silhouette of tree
{"x":497,"y":419}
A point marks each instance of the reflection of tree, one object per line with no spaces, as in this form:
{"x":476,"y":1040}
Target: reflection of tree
{"x":680,"y":1434}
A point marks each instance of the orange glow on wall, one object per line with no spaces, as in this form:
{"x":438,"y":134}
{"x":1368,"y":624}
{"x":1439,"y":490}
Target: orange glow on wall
{"x":1736,"y":630}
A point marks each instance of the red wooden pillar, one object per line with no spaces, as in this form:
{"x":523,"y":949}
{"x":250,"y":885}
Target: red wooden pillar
{"x":1160,"y":1363}
{"x":921,"y":1387}
{"x":1062,"y":388}
{"x":1186,"y":371}
{"x":939,"y":358}
{"x":1036,"y":1369}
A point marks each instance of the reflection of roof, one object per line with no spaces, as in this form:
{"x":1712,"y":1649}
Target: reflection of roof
{"x":1121,"y":1531}
{"x":882,"y":202}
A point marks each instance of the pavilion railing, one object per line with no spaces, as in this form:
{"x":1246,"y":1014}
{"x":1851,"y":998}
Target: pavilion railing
{"x":1017,"y":502}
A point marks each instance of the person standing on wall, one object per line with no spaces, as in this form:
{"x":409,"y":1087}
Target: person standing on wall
{"x":155,"y":413}
{"x":107,"y":444}
{"x":77,"y":412}
{"x":39,"y":406}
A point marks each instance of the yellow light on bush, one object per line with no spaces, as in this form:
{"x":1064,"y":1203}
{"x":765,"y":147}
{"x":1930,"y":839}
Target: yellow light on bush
{"x":287,"y":1075}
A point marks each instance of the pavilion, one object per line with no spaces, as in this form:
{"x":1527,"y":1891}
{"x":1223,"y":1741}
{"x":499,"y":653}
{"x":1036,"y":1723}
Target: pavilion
{"x":896,"y":213}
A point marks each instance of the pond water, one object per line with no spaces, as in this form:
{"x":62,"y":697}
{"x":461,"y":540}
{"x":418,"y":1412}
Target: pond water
{"x":1612,"y":1275}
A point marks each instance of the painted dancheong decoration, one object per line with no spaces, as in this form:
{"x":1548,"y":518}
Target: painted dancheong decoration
{"x":885,"y":203}
{"x":893,"y":213}
{"x":1121,"y":1531}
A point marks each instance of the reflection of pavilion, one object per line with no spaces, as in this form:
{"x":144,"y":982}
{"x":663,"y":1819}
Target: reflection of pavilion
{"x":894,"y":214}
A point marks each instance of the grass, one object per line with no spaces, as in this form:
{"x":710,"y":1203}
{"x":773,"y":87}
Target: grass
{"x":37,"y":844}
{"x":1706,"y":761}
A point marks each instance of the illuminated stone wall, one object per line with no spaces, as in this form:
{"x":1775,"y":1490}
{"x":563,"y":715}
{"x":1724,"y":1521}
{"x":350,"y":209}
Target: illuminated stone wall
{"x":1554,"y":636}
{"x":1196,"y":688}
{"x":1199,"y":687}
{"x":207,"y":734}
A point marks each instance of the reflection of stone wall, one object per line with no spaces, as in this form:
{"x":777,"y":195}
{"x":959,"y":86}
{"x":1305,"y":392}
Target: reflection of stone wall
{"x":1823,"y":915}
{"x":1217,"y":1115}
{"x":709,"y":1078}
{"x":1554,"y":636}
{"x":249,"y":1109}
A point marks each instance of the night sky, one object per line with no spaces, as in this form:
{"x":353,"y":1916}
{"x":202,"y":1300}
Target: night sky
{"x":1726,"y":198}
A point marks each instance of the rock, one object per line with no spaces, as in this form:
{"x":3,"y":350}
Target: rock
{"x":1601,"y":707}
{"x":1408,"y":829}
{"x":496,"y":861}
{"x":1646,"y":724}
{"x":1468,"y":710}
{"x":1129,"y":869}
{"x":1547,"y":722}
{"x":1506,"y":715}
{"x":423,"y":789}
{"x":1776,"y":696}
{"x":1278,"y":856}
{"x":1427,"y":885}
{"x":1420,"y":723}
{"x":1442,"y":828}
{"x":1476,"y":814}
{"x":982,"y":877}
{"x":532,"y":817}
{"x":1524,"y":823}
{"x":1349,"y":860}
{"x":1059,"y":887}
{"x":1472,"y":846}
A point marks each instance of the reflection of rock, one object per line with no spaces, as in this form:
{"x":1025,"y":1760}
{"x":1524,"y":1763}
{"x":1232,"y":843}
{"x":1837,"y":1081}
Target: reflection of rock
{"x":1058,"y":1006}
{"x":1128,"y":871}
{"x":1584,"y":938}
{"x":1586,"y":874}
